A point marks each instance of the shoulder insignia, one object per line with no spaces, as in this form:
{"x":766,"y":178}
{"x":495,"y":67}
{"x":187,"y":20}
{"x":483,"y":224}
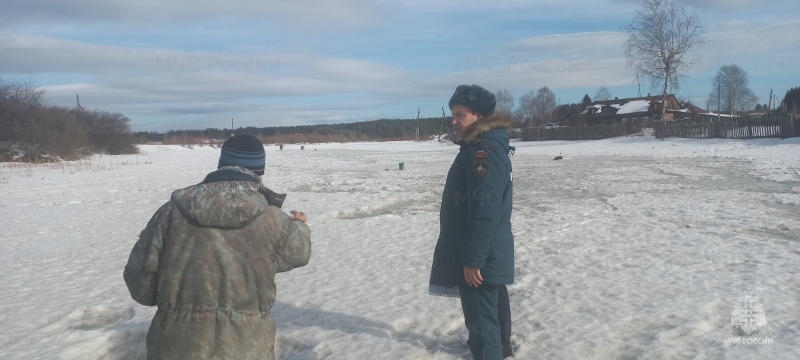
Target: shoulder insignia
{"x":480,"y":154}
{"x":480,"y":166}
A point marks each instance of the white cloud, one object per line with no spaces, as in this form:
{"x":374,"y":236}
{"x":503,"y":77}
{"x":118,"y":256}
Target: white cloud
{"x":560,"y":61}
{"x":36,"y":54}
{"x":166,"y":70}
{"x":724,"y":4}
{"x":539,"y":8}
{"x":153,"y":83}
{"x":712,"y":4}
{"x":311,"y":15}
{"x":316,"y":60}
{"x":572,"y":46}
{"x":762,"y":47}
{"x":524,"y":76}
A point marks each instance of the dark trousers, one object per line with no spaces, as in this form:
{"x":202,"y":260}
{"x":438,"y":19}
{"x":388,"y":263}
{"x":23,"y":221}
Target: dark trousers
{"x":504,"y":314}
{"x":480,"y":315}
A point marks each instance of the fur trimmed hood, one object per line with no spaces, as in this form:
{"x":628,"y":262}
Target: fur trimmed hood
{"x":484,"y":125}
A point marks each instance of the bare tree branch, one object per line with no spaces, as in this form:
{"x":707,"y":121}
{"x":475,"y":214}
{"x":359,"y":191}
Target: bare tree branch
{"x":660,"y":37}
{"x":527,"y":108}
{"x":731,"y":92}
{"x":602,"y":94}
{"x":545,"y":105}
{"x":505,"y":102}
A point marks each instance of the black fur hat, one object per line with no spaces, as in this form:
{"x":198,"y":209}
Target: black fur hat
{"x":476,"y":98}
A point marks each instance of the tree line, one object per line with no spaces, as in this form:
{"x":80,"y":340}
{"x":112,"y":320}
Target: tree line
{"x":536,"y":108}
{"x":33,"y":131}
{"x":375,"y":130}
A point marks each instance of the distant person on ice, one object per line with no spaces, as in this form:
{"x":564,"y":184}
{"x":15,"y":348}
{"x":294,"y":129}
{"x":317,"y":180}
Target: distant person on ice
{"x":208,"y":259}
{"x":475,"y":249}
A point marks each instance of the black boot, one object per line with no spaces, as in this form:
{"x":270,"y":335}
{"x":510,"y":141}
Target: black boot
{"x":507,"y":351}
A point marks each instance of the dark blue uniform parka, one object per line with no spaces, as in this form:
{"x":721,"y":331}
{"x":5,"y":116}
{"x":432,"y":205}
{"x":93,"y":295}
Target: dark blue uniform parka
{"x":475,"y":217}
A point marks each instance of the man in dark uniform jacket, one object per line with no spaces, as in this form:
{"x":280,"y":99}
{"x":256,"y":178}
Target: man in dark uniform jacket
{"x":475,"y":249}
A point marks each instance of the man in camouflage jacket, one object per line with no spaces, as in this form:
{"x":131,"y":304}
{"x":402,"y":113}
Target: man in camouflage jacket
{"x":208,"y":260}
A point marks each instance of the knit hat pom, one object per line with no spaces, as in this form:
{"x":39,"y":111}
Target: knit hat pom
{"x":476,"y":98}
{"x":245,"y":151}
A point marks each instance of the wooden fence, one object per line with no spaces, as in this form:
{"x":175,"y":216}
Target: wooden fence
{"x":701,"y":127}
{"x":591,"y":132}
{"x":745,"y":127}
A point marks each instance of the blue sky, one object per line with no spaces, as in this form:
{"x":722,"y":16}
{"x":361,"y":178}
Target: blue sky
{"x":197,"y":64}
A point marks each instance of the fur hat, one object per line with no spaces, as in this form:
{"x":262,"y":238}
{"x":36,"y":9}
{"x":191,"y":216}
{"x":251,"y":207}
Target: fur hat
{"x":476,"y":98}
{"x":245,"y":151}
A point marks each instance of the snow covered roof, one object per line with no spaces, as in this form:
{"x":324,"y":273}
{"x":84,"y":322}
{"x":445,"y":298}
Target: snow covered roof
{"x":711,"y":113}
{"x":640,"y":106}
{"x":634,"y":106}
{"x":597,"y":107}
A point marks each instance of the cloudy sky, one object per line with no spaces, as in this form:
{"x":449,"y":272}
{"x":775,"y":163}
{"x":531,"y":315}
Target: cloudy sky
{"x":196,"y":64}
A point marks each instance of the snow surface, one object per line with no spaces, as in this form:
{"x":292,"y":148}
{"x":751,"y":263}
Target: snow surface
{"x":628,"y":248}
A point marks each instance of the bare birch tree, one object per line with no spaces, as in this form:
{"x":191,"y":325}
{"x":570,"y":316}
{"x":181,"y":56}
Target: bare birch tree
{"x":527,"y":108}
{"x":602,"y":94}
{"x":731,"y":92}
{"x":505,"y":102}
{"x":545,"y":105}
{"x":536,"y":107}
{"x":660,"y":38}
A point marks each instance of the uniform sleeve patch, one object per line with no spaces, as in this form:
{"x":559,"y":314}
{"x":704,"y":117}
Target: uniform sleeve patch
{"x":480,"y":167}
{"x":480,"y":154}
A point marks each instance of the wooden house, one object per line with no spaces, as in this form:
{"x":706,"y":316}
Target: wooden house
{"x":640,"y":108}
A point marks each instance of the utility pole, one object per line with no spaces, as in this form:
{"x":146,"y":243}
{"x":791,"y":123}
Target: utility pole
{"x":441,"y":125}
{"x":640,"y":87}
{"x":719,"y":99}
{"x":417,"y":135}
{"x":769,"y":106}
{"x":231,"y":127}
{"x":78,"y":100}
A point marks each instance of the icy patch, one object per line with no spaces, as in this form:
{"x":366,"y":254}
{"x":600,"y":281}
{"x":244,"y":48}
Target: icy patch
{"x":90,"y":318}
{"x":390,"y":206}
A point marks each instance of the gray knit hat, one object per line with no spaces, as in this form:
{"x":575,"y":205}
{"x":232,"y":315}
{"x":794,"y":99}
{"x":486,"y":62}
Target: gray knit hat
{"x":245,"y":151}
{"x":476,"y":98}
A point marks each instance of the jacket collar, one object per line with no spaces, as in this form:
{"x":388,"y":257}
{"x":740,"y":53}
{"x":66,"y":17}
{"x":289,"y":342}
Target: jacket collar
{"x":236,"y":173}
{"x":231,"y":173}
{"x":496,"y":121}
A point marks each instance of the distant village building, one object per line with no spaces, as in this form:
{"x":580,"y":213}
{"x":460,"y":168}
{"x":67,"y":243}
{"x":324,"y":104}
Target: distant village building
{"x":640,"y":108}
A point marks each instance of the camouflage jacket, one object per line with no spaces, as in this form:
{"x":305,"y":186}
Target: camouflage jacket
{"x":208,"y":260}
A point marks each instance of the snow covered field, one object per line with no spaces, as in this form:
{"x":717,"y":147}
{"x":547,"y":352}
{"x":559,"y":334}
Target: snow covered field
{"x":628,"y":248}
